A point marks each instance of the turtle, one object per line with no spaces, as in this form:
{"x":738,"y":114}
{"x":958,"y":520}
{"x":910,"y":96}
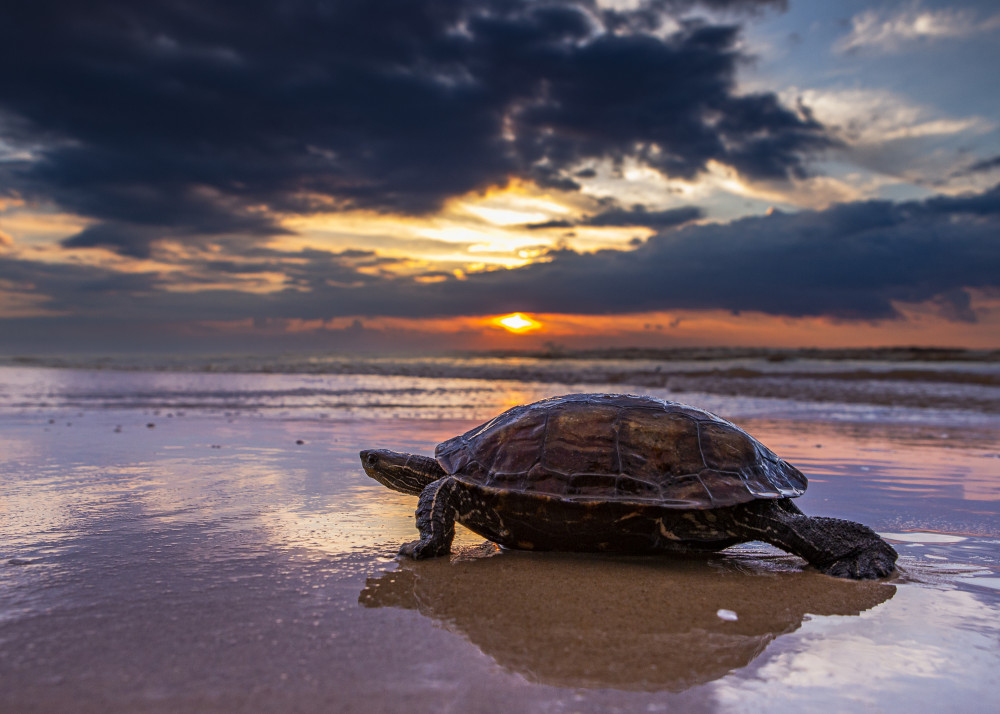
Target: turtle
{"x":619,"y":473}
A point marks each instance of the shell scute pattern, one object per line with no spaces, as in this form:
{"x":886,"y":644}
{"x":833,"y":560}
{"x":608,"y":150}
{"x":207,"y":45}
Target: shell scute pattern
{"x":725,"y":447}
{"x":622,"y":448}
{"x":544,"y":480}
{"x":656,"y":443}
{"x":516,"y":446}
{"x":576,"y":441}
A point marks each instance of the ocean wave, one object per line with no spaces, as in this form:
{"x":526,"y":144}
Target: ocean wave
{"x":911,"y":377}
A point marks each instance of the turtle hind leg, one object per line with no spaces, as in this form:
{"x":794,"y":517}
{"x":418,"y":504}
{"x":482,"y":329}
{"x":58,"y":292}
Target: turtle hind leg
{"x":436,"y":513}
{"x":836,"y":547}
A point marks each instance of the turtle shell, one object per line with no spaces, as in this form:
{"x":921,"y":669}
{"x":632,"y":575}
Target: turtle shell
{"x":622,"y":448}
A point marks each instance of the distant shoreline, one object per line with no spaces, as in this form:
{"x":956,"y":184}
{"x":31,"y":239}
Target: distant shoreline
{"x":894,"y":354}
{"x":308,"y":362}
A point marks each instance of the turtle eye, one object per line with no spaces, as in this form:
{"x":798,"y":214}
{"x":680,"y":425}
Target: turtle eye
{"x":372,"y":459}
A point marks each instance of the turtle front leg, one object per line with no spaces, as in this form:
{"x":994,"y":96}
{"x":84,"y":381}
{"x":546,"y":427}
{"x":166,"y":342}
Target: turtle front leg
{"x":836,"y":547}
{"x":436,"y":513}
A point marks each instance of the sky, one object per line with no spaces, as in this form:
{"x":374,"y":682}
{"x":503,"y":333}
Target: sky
{"x":396,"y":175}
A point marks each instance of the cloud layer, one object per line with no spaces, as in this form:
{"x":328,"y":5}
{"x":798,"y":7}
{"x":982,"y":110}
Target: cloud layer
{"x":851,"y":261}
{"x":171,"y":119}
{"x":890,"y":30}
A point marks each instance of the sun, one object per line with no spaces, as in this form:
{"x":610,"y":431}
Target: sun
{"x":517,"y":322}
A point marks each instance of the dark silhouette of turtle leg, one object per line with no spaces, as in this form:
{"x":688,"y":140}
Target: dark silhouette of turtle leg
{"x":841,"y":548}
{"x":436,"y":512}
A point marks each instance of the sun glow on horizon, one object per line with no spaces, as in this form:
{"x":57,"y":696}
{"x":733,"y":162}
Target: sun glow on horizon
{"x":517,"y":323}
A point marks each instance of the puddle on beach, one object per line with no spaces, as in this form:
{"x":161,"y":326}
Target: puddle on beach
{"x":626,"y":623}
{"x":212,"y":563}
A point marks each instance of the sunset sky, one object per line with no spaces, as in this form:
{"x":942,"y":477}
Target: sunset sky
{"x":402,"y":175}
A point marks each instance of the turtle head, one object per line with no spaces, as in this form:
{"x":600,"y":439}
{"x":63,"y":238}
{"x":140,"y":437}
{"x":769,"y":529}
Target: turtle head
{"x":406,"y":473}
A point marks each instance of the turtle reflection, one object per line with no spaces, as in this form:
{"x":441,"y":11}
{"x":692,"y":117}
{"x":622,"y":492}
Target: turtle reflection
{"x":633,"y":623}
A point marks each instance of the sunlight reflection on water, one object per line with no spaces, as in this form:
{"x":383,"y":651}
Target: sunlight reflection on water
{"x":930,"y":650}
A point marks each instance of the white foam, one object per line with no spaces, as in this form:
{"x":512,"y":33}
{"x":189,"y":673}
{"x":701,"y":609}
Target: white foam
{"x":920,"y":537}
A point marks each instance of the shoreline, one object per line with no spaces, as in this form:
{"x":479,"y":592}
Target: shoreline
{"x":308,"y":361}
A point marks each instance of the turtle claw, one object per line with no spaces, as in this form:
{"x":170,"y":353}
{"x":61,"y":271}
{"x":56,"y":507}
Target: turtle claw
{"x":876,"y":562}
{"x":419,"y":550}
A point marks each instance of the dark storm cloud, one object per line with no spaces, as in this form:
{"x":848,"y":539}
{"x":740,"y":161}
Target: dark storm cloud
{"x":984,"y":165}
{"x":175,"y":119}
{"x":637,"y":215}
{"x":76,"y":289}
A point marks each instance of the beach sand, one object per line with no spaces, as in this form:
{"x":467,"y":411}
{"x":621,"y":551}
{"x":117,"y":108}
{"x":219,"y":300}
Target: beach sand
{"x":165,"y":560}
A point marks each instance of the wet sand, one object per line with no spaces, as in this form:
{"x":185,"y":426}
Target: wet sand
{"x":162,"y":562}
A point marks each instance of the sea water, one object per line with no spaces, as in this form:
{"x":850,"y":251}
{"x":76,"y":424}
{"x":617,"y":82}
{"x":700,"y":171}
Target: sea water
{"x":197,"y":534}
